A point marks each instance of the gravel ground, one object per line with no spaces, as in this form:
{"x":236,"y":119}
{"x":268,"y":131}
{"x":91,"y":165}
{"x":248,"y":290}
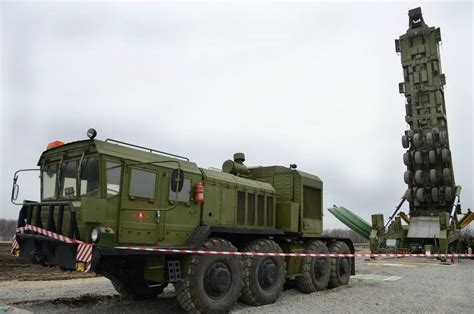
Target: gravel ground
{"x":410,"y":285}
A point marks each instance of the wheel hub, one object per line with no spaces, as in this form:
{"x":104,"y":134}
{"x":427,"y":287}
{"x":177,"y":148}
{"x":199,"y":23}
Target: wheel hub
{"x":217,"y":280}
{"x":268,"y":274}
{"x":319,"y":268}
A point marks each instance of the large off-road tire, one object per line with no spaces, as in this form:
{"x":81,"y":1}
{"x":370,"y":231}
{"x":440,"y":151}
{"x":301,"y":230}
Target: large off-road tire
{"x":420,"y":195}
{"x":435,"y":194}
{"x":445,"y":155}
{"x":263,"y":277}
{"x":447,"y":176}
{"x":340,"y":266}
{"x":315,"y":270}
{"x":212,"y":283}
{"x":137,"y":291}
{"x":405,"y":141}
{"x":433,"y":176}
{"x":443,"y":138}
{"x":432,"y":157}
{"x":448,"y":193}
{"x":420,"y":177}
{"x":406,"y":158}
{"x":418,"y":157}
{"x":429,"y":139}
{"x":417,"y":140}
{"x":408,"y":177}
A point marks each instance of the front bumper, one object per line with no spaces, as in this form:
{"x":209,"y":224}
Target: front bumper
{"x":46,"y":251}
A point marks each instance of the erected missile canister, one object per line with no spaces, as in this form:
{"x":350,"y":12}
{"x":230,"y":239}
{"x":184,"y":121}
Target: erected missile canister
{"x":433,"y":198}
{"x":432,"y":195}
{"x":429,"y":176}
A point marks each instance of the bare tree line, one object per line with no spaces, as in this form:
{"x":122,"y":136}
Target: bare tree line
{"x":7,"y":229}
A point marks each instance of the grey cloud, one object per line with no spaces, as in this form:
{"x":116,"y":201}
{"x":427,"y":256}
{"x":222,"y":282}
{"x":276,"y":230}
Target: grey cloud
{"x":309,"y":83}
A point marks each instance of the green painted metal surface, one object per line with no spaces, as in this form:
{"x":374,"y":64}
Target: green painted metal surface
{"x":351,"y":220}
{"x":432,"y":194}
{"x":429,"y":174}
{"x":140,"y":208}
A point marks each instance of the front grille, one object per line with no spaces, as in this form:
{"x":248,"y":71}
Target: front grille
{"x":57,"y":217}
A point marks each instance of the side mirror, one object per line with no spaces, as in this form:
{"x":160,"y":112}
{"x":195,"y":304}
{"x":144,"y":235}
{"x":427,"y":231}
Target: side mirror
{"x":15,"y":190}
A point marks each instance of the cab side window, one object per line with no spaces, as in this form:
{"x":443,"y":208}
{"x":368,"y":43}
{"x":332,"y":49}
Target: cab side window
{"x":181,"y":186}
{"x":89,"y":178}
{"x":142,"y":183}
{"x":114,"y":171}
{"x":67,"y":179}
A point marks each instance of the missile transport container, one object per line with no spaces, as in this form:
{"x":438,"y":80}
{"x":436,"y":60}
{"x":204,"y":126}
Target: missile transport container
{"x":114,"y":194}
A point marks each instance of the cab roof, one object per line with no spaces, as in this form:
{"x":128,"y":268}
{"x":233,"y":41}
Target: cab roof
{"x":115,"y":149}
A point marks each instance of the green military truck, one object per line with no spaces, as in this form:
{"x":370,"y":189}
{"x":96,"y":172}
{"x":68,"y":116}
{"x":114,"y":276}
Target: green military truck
{"x":118,"y":195}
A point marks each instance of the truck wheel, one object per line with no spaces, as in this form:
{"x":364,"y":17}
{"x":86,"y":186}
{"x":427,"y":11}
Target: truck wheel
{"x":212,"y":283}
{"x":420,"y":195}
{"x":418,"y":157}
{"x":435,"y":195}
{"x":433,"y":176}
{"x":406,"y":158}
{"x":408,"y":177}
{"x":417,"y":140}
{"x":420,"y":177}
{"x":315,"y":270}
{"x":447,"y":176}
{"x":448,"y":193}
{"x":429,"y":139}
{"x":443,"y":138}
{"x":263,"y":277}
{"x":136,"y":290}
{"x":405,"y":141}
{"x":445,"y":155}
{"x":340,"y":266}
{"x":432,"y":157}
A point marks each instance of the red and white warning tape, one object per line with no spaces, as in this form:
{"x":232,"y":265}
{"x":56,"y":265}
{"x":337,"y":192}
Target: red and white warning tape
{"x":178,"y":251}
{"x":84,"y":250}
{"x":49,"y":234}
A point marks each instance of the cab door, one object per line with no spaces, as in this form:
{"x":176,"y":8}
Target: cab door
{"x":139,"y":205}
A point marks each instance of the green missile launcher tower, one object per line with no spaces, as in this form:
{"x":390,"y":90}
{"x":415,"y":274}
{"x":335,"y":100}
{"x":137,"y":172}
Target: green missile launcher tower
{"x":432,"y":195}
{"x":431,"y":224}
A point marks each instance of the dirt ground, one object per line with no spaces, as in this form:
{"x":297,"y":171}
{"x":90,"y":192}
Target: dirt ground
{"x":382,"y":285}
{"x":13,"y":268}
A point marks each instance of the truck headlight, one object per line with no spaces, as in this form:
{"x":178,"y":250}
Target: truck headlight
{"x":95,"y":235}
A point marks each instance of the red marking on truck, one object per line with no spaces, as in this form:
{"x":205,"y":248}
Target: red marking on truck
{"x":140,"y":216}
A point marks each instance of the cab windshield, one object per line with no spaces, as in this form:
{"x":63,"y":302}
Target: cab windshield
{"x":71,"y":179}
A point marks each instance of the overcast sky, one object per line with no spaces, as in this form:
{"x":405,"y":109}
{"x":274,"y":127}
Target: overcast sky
{"x":314,"y":84}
